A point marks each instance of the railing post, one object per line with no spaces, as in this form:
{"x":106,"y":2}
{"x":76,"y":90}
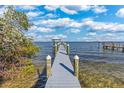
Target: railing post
{"x":55,"y":49}
{"x":64,"y":45}
{"x":48,"y":66}
{"x":76,"y":65}
{"x":68,"y":49}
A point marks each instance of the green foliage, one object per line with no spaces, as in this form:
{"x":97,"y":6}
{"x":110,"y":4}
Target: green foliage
{"x":30,"y":50}
{"x":27,"y":70}
{"x":19,"y":18}
{"x":14,"y":45}
{"x":16,"y":50}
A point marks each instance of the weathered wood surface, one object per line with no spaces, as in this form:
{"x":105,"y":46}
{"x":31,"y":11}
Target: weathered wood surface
{"x":62,"y":72}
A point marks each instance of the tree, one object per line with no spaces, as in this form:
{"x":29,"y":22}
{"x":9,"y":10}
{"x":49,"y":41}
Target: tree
{"x":14,"y":45}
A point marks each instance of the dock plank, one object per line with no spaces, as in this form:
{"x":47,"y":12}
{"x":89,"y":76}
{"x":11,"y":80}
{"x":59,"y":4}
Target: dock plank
{"x":62,"y":72}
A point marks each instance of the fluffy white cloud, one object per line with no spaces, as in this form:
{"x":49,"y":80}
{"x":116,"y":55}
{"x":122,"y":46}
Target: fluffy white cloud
{"x":109,"y":34}
{"x":31,"y":34}
{"x":45,"y":30}
{"x":91,"y":34}
{"x":51,"y":7}
{"x":68,"y":11}
{"x":49,"y":16}
{"x":74,"y":30}
{"x":61,"y":36}
{"x":60,"y":22}
{"x":120,"y":13}
{"x":2,"y":10}
{"x":103,"y":26}
{"x":36,"y":37}
{"x":102,"y":37}
{"x":34,"y":14}
{"x":26,"y":7}
{"x":74,"y":9}
{"x":99,"y":9}
{"x":41,"y":29}
{"x":75,"y":24}
{"x":88,"y":22}
{"x":39,"y":37}
{"x":85,"y":7}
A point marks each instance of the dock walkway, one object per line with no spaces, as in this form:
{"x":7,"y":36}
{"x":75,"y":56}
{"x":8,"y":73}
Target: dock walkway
{"x":62,"y":72}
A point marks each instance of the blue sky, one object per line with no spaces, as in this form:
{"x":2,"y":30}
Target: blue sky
{"x":74,"y":23}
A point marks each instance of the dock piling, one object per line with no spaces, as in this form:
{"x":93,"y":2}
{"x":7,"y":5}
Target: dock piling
{"x":68,"y":49}
{"x":48,"y":64}
{"x":57,"y":46}
{"x":76,"y":65}
{"x":55,"y":49}
{"x":113,"y":46}
{"x":64,"y":45}
{"x":123,"y":48}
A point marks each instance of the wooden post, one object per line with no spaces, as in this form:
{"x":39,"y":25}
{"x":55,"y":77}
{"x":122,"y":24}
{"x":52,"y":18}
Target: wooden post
{"x":76,"y":66}
{"x":48,"y":64}
{"x":68,"y":49}
{"x":119,"y":46}
{"x":113,"y":46}
{"x":103,"y":45}
{"x":55,"y":49}
{"x":64,"y":45}
{"x":123,"y":48}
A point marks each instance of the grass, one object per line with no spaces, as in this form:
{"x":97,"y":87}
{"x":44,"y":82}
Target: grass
{"x":25,"y":77}
{"x":101,"y":75}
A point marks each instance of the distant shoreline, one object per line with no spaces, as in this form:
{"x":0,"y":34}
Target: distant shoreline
{"x":80,"y":41}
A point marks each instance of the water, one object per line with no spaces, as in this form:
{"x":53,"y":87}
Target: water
{"x":45,"y":49}
{"x":87,"y":51}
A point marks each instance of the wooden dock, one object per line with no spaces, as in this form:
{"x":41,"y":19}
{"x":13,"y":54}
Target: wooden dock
{"x":62,"y":72}
{"x":113,"y":46}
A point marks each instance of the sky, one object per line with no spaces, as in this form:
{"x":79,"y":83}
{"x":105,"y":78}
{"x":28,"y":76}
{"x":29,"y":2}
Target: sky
{"x":74,"y":23}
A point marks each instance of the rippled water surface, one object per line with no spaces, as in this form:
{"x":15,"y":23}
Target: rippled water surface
{"x":87,"y":51}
